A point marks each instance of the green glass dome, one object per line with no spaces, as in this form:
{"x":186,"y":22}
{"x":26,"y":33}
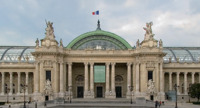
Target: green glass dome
{"x":99,"y":39}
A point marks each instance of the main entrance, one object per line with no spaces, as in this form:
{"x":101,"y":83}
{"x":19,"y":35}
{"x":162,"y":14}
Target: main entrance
{"x":99,"y":92}
{"x":80,"y":92}
{"x":118,"y":91}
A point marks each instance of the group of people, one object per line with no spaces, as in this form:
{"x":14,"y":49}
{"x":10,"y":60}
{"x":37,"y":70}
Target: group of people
{"x":158,"y":104}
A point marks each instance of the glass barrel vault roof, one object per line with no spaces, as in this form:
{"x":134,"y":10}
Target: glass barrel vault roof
{"x":14,"y":53}
{"x":176,"y":54}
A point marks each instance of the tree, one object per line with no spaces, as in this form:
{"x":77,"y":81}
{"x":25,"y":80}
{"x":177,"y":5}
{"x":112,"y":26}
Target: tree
{"x":194,"y":90}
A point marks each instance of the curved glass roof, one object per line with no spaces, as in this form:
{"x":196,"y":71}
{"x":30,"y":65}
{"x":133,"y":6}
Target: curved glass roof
{"x":99,"y":39}
{"x":13,"y":53}
{"x":182,"y":54}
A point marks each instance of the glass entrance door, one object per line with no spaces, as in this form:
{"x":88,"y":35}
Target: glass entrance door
{"x":118,"y":91}
{"x":80,"y":92}
{"x":99,"y":92}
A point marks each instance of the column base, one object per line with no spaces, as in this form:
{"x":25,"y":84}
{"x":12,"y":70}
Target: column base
{"x":161,"y":96}
{"x":128,"y":95}
{"x":61,"y":94}
{"x":110,"y":95}
{"x":37,"y":96}
{"x":89,"y":94}
{"x":2,"y":93}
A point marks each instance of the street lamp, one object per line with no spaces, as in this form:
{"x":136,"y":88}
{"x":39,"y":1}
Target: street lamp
{"x":69,"y":88}
{"x":175,"y":87}
{"x":131,"y":89}
{"x":24,"y":89}
{"x":7,"y":90}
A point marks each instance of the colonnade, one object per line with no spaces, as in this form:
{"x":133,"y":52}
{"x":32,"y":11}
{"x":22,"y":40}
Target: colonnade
{"x":185,"y":82}
{"x":11,"y":82}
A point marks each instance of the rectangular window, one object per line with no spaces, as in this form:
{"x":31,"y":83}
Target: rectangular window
{"x":48,"y":75}
{"x":99,"y":74}
{"x":150,"y":75}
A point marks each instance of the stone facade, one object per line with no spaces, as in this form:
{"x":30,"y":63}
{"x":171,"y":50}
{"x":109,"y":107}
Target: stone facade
{"x":72,"y":72}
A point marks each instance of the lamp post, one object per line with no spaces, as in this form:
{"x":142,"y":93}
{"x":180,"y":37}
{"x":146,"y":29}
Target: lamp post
{"x":69,"y":88}
{"x":131,"y":89}
{"x":7,"y":90}
{"x":175,"y":87}
{"x":24,"y":89}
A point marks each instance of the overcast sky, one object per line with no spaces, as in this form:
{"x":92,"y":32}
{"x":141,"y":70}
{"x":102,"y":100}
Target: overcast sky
{"x":176,"y":22}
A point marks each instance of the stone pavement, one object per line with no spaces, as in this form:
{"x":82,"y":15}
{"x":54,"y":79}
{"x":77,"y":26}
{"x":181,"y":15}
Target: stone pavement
{"x":168,"y":104}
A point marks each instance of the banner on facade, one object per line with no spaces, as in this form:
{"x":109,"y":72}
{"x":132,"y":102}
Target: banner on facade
{"x":99,"y":74}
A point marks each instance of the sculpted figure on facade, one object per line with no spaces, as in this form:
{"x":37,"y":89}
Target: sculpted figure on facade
{"x":138,"y":44}
{"x":37,"y":43}
{"x":49,"y":30}
{"x":151,"y":87}
{"x":148,"y":35}
{"x":61,"y":43}
{"x":160,"y":43}
{"x":48,"y":88}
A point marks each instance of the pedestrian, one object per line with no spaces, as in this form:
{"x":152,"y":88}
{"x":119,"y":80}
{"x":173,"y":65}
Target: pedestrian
{"x":156,"y":104}
{"x":159,"y":103}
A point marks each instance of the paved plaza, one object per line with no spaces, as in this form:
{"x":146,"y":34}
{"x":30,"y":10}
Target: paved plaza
{"x":168,"y":104}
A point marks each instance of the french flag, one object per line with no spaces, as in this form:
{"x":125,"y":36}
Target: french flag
{"x":95,"y":13}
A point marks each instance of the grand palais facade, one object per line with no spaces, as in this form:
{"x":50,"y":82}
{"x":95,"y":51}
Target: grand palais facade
{"x":97,"y":64}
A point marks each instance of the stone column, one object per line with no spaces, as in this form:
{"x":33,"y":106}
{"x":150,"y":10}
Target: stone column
{"x":185,"y":83}
{"x":113,"y":81}
{"x":92,"y":80}
{"x":170,"y":80}
{"x":61,"y":80}
{"x":65,"y":78}
{"x":42,"y":81}
{"x":27,"y":82}
{"x":19,"y":80}
{"x":56,"y":76}
{"x":177,"y":81}
{"x":70,"y":78}
{"x":161,"y":78}
{"x":107,"y":80}
{"x":137,"y":87}
{"x":69,"y":75}
{"x":11,"y":83}
{"x":86,"y":80}
{"x":193,"y":77}
{"x":3,"y":83}
{"x":128,"y":79}
{"x":157,"y":77}
{"x":36,"y":78}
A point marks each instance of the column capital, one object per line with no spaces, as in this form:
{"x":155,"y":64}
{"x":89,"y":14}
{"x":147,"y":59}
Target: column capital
{"x":91,"y":63}
{"x":18,"y":73}
{"x":26,"y":73}
{"x":177,"y":73}
{"x":10,"y":73}
{"x":107,"y":63}
{"x":129,"y":63}
{"x":185,"y":73}
{"x":86,"y":63}
{"x":2,"y":73}
{"x":69,"y":63}
{"x":193,"y":73}
{"x":113,"y":63}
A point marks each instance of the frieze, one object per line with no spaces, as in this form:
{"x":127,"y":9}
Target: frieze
{"x":48,"y":64}
{"x":150,"y":64}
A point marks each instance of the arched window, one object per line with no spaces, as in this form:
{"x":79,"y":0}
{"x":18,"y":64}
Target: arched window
{"x":80,"y":78}
{"x":118,"y":78}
